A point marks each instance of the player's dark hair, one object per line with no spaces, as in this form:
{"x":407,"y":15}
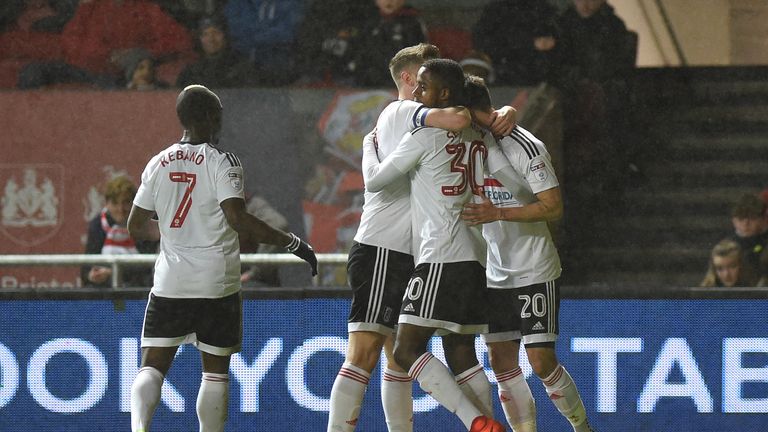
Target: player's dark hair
{"x":450,"y":75}
{"x":476,"y":94}
{"x":195,"y":105}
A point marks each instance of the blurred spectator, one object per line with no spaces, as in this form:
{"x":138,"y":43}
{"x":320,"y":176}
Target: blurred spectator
{"x":325,"y":41}
{"x":265,"y":32}
{"x":479,"y":64}
{"x":396,"y":26}
{"x":108,"y":235}
{"x":189,"y":12}
{"x":750,"y":227}
{"x":594,"y":45}
{"x":727,"y":267}
{"x":36,"y":15}
{"x":594,"y":60}
{"x":102,"y":33}
{"x":219,"y":66}
{"x":139,"y":67}
{"x":520,"y":37}
{"x":263,"y":274}
{"x":30,"y":32}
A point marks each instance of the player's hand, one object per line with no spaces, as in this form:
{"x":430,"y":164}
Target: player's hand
{"x":485,"y":212}
{"x":303,"y":250}
{"x":504,"y":121}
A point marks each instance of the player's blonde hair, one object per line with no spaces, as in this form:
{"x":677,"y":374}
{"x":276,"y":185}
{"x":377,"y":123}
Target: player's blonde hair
{"x":414,"y":55}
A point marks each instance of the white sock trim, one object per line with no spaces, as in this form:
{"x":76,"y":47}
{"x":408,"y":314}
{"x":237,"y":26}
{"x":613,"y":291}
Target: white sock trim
{"x":348,"y":370}
{"x":469,"y":374}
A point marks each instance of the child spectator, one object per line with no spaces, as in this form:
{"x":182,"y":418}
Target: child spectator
{"x":108,"y":235}
{"x":750,"y":227}
{"x":395,"y":27}
{"x":139,"y":67}
{"x":265,"y":32}
{"x":101,"y":34}
{"x":727,"y":267}
{"x":219,"y":65}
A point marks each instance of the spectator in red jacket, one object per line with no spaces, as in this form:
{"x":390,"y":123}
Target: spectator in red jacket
{"x":101,"y":33}
{"x":30,"y":31}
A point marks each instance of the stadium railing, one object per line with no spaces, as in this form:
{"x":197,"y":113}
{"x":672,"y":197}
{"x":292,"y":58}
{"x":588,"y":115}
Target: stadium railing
{"x":116,"y":262}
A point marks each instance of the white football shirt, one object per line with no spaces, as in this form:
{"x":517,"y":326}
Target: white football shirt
{"x":386,"y":218}
{"x":199,"y":252}
{"x":521,"y":253}
{"x":445,"y":168}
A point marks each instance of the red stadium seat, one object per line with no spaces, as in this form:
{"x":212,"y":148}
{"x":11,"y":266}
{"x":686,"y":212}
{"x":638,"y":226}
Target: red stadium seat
{"x":9,"y":72}
{"x":454,"y":43}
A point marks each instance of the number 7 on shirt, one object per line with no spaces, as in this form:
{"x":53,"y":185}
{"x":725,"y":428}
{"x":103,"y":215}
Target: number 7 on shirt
{"x":186,"y":200}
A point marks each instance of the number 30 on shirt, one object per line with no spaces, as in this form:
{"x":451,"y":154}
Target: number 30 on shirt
{"x":478,"y":152}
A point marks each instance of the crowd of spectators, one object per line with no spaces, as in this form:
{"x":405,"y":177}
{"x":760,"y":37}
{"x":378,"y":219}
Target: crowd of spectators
{"x":584,"y":50}
{"x":315,"y":43}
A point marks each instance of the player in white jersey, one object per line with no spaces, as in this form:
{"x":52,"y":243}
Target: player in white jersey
{"x":447,"y":289}
{"x":197,"y":192}
{"x":523,"y":268}
{"x":381,"y":261}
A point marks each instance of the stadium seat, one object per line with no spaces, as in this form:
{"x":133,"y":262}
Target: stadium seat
{"x":9,"y":72}
{"x":454,"y":43}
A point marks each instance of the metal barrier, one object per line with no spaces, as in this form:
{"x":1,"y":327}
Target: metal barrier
{"x":116,"y":261}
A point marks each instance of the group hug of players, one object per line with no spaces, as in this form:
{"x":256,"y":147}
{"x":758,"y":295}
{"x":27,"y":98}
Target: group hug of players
{"x":453,"y":241}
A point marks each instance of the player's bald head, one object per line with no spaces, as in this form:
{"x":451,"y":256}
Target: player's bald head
{"x":197,"y":106}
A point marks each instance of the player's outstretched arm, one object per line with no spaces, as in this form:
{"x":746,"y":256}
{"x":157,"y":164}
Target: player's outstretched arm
{"x":451,"y":118}
{"x":549,"y":207}
{"x":141,"y":226}
{"x":256,"y":230}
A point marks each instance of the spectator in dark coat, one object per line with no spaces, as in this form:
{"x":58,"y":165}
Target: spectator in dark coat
{"x":594,"y":44}
{"x":595,"y":57}
{"x":395,"y":27}
{"x":520,"y":37}
{"x":326,"y":39}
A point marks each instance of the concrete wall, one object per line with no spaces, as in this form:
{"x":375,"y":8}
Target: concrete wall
{"x":702,"y":28}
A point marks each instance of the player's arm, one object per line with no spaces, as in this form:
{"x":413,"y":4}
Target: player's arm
{"x":377,"y":175}
{"x":141,"y":226}
{"x":254,"y":229}
{"x":451,"y":118}
{"x":549,"y":207}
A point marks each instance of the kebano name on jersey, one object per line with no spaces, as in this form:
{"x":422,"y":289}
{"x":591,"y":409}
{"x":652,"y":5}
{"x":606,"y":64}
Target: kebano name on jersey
{"x":182,"y":155}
